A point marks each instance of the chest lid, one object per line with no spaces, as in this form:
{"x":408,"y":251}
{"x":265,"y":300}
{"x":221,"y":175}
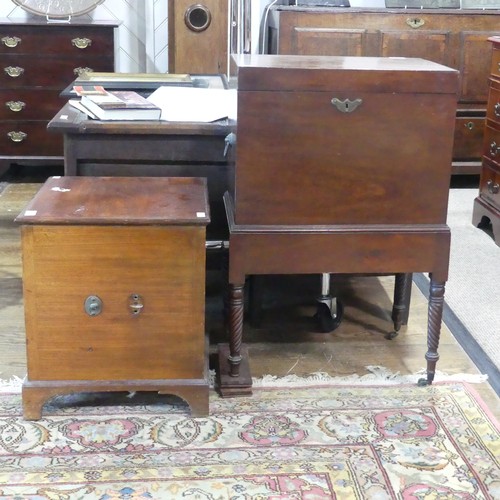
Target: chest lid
{"x":363,"y":74}
{"x":119,"y":201}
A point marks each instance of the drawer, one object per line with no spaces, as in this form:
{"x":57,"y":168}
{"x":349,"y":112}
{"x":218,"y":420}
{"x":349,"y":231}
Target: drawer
{"x":495,"y":63}
{"x":21,"y":104}
{"x":63,"y":40}
{"x":468,"y":141}
{"x":31,"y":139}
{"x":51,"y":72}
{"x":489,"y":186}
{"x":492,"y":144}
{"x":493,"y":110}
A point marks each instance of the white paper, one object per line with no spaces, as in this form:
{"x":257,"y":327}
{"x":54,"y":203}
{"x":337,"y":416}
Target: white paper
{"x":191,"y":104}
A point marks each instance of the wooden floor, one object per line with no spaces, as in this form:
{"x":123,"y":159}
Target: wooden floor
{"x":286,"y":341}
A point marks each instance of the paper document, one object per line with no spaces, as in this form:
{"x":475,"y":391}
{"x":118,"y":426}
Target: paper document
{"x":191,"y":104}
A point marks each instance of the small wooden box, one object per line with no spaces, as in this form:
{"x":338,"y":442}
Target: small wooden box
{"x":114,"y":288}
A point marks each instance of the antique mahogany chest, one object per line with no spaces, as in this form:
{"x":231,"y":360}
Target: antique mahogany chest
{"x":114,"y":282}
{"x":342,"y":165}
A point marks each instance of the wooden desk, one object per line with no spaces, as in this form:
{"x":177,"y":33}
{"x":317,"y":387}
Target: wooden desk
{"x":97,"y":148}
{"x":342,"y":165}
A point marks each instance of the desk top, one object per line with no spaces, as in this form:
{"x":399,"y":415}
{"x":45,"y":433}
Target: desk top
{"x":71,"y":121}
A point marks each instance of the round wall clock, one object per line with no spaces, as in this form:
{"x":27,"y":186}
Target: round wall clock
{"x":58,"y":8}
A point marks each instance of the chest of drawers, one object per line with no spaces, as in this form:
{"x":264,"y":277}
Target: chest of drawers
{"x":38,"y":60}
{"x":487,"y":204}
{"x":114,"y":282}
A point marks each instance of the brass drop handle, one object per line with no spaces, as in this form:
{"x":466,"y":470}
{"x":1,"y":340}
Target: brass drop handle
{"x":11,"y":41}
{"x":81,"y":71}
{"x":469,"y":125}
{"x":415,"y":22}
{"x":15,"y":106}
{"x":81,"y":43}
{"x":17,"y":136}
{"x":493,"y":188}
{"x":346,"y":105}
{"x":135,"y":304}
{"x":494,"y":149}
{"x":14,"y":71}
{"x":496,"y":109}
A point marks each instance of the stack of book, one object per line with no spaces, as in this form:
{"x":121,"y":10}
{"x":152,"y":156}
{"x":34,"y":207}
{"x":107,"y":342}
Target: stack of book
{"x":116,"y":105}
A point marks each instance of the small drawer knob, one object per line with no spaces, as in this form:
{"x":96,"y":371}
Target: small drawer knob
{"x":15,"y":106}
{"x":81,"y":43}
{"x":11,"y":41}
{"x":93,"y":305}
{"x":14,"y":71}
{"x":17,"y":136}
{"x":493,"y":187}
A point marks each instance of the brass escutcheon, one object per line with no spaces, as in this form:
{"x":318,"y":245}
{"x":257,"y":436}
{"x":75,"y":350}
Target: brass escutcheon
{"x":15,"y":106}
{"x":17,"y":136}
{"x":469,"y":125}
{"x":415,"y":22}
{"x":496,"y":109}
{"x":346,"y":105}
{"x":14,"y":71}
{"x":81,"y":43}
{"x":81,"y":71}
{"x":11,"y":41}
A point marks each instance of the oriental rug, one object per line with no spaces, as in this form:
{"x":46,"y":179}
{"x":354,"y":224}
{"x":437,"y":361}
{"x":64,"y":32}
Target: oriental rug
{"x":323,"y":442}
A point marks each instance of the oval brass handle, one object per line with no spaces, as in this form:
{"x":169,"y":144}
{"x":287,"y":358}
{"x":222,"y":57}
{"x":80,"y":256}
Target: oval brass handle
{"x":15,"y":106}
{"x":494,"y":148}
{"x":11,"y":41}
{"x":346,"y":105}
{"x":17,"y":136}
{"x":493,"y":188}
{"x":14,"y":71}
{"x":81,"y":43}
{"x":496,"y":109}
{"x":469,"y":125}
{"x":415,"y":22}
{"x":82,"y":71}
{"x":198,"y":17}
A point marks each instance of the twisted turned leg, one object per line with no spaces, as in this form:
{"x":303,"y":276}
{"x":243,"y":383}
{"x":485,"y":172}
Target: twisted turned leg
{"x":435,"y":316}
{"x":236,"y":306}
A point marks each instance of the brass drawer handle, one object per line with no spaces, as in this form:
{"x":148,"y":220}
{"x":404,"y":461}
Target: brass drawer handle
{"x":494,"y":149}
{"x":496,"y":109}
{"x":415,"y":22}
{"x":81,"y":43}
{"x":493,"y":188}
{"x":14,"y":71}
{"x":81,"y":71}
{"x":346,"y":106}
{"x":11,"y":41}
{"x":469,"y":125}
{"x":17,"y":136}
{"x":15,"y":106}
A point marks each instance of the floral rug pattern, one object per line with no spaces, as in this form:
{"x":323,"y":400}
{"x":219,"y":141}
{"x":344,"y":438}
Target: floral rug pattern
{"x":310,"y":443}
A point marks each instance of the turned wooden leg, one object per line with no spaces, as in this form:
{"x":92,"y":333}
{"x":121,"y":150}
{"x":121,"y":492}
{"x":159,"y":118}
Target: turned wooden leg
{"x":401,"y":304}
{"x":435,"y":315}
{"x":236,"y":303}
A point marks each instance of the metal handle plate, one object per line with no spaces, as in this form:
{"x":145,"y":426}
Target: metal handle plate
{"x":135,"y":304}
{"x":15,"y":106}
{"x":17,"y":136}
{"x":81,"y":43}
{"x":93,"y":305}
{"x":14,"y":71}
{"x":493,"y":188}
{"x":11,"y":41}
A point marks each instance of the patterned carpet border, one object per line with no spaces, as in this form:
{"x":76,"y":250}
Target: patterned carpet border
{"x":325,"y":442}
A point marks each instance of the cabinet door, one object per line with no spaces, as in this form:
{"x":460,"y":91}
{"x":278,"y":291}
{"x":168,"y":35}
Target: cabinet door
{"x":430,"y":45}
{"x":474,"y":66}
{"x":328,"y":41}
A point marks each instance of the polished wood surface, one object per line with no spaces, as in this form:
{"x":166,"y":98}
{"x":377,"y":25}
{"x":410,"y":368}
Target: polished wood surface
{"x":454,"y":38}
{"x":487,"y":204}
{"x":138,"y":245}
{"x":327,"y":174}
{"x":285,"y":342}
